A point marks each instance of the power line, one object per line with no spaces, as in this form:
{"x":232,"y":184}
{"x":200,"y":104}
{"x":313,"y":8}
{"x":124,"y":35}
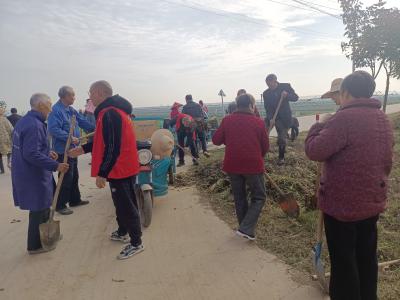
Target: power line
{"x":317,"y":9}
{"x":321,"y":5}
{"x":239,"y":17}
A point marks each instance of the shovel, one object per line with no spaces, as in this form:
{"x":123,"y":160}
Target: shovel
{"x":272,"y":123}
{"x":317,"y":261}
{"x":287,"y":202}
{"x":50,"y":231}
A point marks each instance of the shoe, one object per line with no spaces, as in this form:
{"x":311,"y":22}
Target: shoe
{"x":65,"y":211}
{"x":281,"y":162}
{"x":40,"y":250}
{"x":206,"y":154}
{"x":129,"y":251}
{"x":245,"y":235}
{"x":180,"y":164}
{"x":82,"y":202}
{"x":120,"y":238}
{"x":195,"y":162}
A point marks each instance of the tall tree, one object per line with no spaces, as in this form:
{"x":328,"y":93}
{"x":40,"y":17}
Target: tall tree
{"x":373,"y":39}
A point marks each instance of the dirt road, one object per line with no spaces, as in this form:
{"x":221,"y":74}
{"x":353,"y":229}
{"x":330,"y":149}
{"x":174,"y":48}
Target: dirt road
{"x":190,"y":254}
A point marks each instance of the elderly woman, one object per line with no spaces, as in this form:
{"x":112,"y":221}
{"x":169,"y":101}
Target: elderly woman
{"x":33,"y":167}
{"x":5,"y":137}
{"x":355,"y":146}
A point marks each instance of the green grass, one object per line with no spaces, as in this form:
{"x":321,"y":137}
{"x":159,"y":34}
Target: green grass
{"x":292,"y":240}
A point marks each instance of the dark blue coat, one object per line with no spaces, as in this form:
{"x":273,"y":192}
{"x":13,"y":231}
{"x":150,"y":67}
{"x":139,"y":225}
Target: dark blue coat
{"x":31,"y":172}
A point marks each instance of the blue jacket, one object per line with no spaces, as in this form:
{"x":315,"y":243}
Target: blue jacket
{"x":59,"y":122}
{"x":31,"y":172}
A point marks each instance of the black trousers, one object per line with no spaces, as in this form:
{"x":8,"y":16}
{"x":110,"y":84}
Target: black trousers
{"x":69,"y":192}
{"x":35,"y":219}
{"x":192,"y":145}
{"x":247,"y":215}
{"x":1,"y":162}
{"x":353,"y":254}
{"x":294,"y":133}
{"x":126,"y":208}
{"x":202,"y":138}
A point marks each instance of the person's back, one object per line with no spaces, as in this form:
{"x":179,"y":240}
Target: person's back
{"x":192,"y":108}
{"x":246,"y":142}
{"x":357,"y":175}
{"x":14,"y":117}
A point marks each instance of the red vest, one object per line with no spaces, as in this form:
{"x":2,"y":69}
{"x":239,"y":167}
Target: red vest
{"x":127,"y":163}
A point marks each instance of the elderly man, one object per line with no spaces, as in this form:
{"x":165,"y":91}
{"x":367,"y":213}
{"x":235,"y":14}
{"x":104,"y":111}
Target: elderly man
{"x":59,"y":123}
{"x":32,"y":167}
{"x":115,"y":159}
{"x":283,"y":121}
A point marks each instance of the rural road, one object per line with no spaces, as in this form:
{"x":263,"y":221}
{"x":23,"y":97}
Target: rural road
{"x":190,"y":254}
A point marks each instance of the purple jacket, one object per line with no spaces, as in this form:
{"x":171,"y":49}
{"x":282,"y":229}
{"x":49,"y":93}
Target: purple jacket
{"x":31,"y":172}
{"x":356,"y":146}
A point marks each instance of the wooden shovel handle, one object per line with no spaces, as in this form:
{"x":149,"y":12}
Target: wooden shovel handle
{"x":269,"y":178}
{"x":187,"y":152}
{"x":61,"y":178}
{"x":276,"y":113}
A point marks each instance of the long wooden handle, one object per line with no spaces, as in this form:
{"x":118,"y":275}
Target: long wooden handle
{"x":269,"y":178}
{"x":320,"y":226}
{"x":61,"y":178}
{"x":186,"y":151}
{"x":87,"y":136}
{"x":276,"y":113}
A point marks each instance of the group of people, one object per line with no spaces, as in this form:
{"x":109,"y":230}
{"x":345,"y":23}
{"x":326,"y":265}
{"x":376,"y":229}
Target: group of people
{"x":355,"y":148}
{"x":190,"y":125}
{"x":114,"y":159}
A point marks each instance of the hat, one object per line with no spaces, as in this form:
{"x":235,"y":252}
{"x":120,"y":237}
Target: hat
{"x":335,"y":87}
{"x":162,"y":143}
{"x":176,"y":105}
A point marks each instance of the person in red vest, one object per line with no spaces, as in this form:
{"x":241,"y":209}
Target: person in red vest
{"x":115,"y":159}
{"x":175,"y":110}
{"x":186,"y":129}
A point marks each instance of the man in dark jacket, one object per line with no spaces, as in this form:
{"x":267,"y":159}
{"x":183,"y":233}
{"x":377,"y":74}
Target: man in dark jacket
{"x":196,"y":112}
{"x":32,"y":169}
{"x":115,"y":159}
{"x":14,"y":117}
{"x":283,"y":120}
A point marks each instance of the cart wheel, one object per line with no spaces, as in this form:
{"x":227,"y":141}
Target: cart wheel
{"x":171,"y":176}
{"x":147,"y":208}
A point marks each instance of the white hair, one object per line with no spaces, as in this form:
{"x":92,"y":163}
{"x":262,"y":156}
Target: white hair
{"x":39,"y":98}
{"x":65,"y":91}
{"x":104,"y":87}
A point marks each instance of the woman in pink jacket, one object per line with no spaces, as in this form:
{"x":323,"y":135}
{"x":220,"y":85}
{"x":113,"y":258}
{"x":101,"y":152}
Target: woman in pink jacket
{"x":355,"y":146}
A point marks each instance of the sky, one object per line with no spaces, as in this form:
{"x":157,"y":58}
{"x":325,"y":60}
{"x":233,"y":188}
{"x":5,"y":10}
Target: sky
{"x":154,"y":52}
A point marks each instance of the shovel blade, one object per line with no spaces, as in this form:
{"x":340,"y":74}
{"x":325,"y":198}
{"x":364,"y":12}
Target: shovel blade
{"x":289,"y":206}
{"x":49,"y":234}
{"x":319,"y":268}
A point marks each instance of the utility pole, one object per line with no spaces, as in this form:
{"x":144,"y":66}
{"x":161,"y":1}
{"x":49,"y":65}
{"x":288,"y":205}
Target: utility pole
{"x":222,"y":94}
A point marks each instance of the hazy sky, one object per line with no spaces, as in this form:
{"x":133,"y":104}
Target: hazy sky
{"x":155,"y":51}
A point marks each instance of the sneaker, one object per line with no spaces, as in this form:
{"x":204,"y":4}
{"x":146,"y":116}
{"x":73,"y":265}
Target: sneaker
{"x":245,"y":235}
{"x":65,"y":211}
{"x":82,"y":202}
{"x":207,"y":154}
{"x":120,"y":238}
{"x":129,"y":251}
{"x":180,"y":164}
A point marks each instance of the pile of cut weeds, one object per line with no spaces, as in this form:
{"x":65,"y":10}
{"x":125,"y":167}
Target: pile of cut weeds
{"x":292,"y":239}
